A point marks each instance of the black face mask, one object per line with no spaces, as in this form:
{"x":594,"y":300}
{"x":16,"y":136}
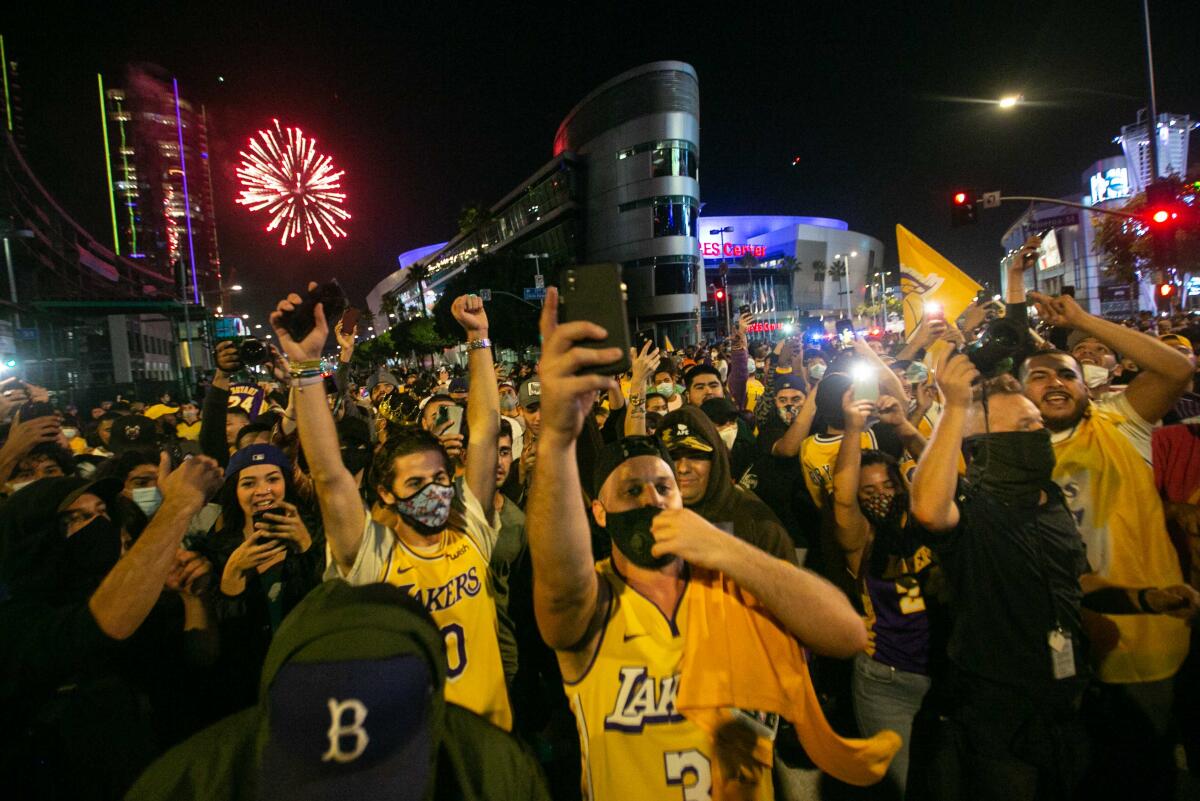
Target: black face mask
{"x":1125,"y":377}
{"x":1013,"y":466}
{"x":356,"y":457}
{"x":91,"y":552}
{"x":630,"y":532}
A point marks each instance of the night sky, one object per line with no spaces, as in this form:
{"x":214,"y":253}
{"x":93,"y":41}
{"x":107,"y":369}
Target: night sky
{"x":429,"y":112}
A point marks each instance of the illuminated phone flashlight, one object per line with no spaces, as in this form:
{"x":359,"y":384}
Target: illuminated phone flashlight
{"x":862,"y":373}
{"x":933,"y":307}
{"x":788,"y":328}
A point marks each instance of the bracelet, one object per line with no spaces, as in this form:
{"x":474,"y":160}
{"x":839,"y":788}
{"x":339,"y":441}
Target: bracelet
{"x":307,"y":372}
{"x":1141,"y":598}
{"x":300,"y":382}
{"x":307,"y":364}
{"x":479,"y":344}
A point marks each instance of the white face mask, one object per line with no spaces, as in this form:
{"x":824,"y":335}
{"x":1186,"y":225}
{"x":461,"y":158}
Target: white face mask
{"x":729,"y":435}
{"x":666,"y":390}
{"x":816,"y":372}
{"x":1094,"y":375}
{"x":148,"y":499}
{"x":70,"y":433}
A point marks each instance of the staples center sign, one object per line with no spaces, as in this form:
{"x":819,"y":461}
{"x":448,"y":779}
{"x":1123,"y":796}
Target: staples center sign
{"x":714,"y":249}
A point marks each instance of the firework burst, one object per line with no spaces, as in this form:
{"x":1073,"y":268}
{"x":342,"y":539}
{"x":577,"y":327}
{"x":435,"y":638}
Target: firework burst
{"x":285,"y":176}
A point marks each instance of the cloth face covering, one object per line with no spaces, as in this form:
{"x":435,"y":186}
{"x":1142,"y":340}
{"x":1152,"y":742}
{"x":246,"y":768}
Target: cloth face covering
{"x":884,"y":509}
{"x":91,"y":552}
{"x":816,"y":372}
{"x":429,"y":506}
{"x":1094,"y":375}
{"x":729,"y":436}
{"x":148,"y":499}
{"x":1013,"y":466}
{"x":630,"y":532}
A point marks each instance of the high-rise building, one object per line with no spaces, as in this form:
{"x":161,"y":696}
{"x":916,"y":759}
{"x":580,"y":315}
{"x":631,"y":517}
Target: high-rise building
{"x":162,"y":184}
{"x":1171,"y":134}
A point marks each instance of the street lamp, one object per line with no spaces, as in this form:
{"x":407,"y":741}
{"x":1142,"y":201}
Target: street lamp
{"x":845,"y":259}
{"x":724,"y":272}
{"x":1009,"y":101}
{"x":236,"y":288}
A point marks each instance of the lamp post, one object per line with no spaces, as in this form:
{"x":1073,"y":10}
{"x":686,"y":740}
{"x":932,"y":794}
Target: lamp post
{"x":845,"y":260}
{"x":724,"y":273}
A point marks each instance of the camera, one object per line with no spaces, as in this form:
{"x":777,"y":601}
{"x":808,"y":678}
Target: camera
{"x":253,"y":352}
{"x":1001,"y":348}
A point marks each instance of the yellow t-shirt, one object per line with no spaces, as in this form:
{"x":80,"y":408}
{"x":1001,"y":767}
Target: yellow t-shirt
{"x":818,"y":454}
{"x":452,"y":582}
{"x":1109,"y":487}
{"x":635,"y":743}
{"x":188,"y":430}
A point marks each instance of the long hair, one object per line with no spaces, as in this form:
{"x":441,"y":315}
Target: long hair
{"x":231,"y":511}
{"x":403,"y":442}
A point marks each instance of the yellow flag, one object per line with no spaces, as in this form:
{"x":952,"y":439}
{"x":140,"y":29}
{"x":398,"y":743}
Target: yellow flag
{"x":926,"y":275}
{"x":667,"y":346}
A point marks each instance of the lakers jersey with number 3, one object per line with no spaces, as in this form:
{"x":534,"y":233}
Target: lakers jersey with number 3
{"x":635,"y":743}
{"x":451,"y":582}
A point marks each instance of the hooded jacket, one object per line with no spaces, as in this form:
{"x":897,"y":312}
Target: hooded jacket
{"x":375,"y":653}
{"x":725,"y":502}
{"x":84,"y":714}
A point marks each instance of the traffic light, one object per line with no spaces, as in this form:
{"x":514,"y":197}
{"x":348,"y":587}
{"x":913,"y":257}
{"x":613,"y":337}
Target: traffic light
{"x":962,"y":209}
{"x":1164,"y":295}
{"x":1162,"y":218}
{"x":719,"y":294}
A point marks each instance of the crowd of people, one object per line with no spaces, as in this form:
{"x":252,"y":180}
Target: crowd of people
{"x":960,"y":565}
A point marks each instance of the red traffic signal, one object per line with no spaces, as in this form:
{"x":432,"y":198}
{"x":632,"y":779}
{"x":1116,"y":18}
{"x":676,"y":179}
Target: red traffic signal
{"x":719,"y":294}
{"x":1166,"y":290}
{"x":962,"y":209}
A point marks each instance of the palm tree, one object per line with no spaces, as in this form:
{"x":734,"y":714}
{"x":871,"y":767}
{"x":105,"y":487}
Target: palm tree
{"x":818,"y":270}
{"x":418,"y":273}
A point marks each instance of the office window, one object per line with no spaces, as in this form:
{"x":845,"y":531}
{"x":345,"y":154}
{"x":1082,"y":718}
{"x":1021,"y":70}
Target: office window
{"x":674,"y":279}
{"x":672,"y":218}
{"x":672,"y":159}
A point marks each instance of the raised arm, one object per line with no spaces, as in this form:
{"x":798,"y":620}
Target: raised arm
{"x":483,"y":399}
{"x":1165,"y":373}
{"x":566,"y":590}
{"x":889,"y":384}
{"x":342,"y":509}
{"x":890,"y":411}
{"x":850,"y":526}
{"x":936,"y":480}
{"x":738,"y":371}
{"x":216,"y":404}
{"x":814,"y":611}
{"x":789,"y":444}
{"x":131,"y":589}
{"x":645,"y":362}
{"x":1022,"y":260}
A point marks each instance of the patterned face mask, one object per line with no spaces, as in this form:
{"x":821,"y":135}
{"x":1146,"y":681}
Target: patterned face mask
{"x":884,"y":509}
{"x":428,"y":506}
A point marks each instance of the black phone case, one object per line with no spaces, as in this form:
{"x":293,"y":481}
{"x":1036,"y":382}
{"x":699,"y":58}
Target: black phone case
{"x":596,"y":293}
{"x":300,"y":322}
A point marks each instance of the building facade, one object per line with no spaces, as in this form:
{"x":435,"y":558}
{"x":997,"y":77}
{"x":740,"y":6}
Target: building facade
{"x":164,"y":205}
{"x":623,"y":185}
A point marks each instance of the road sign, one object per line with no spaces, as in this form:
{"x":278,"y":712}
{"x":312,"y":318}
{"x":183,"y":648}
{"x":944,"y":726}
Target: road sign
{"x":534,"y":293}
{"x":991,"y":200}
{"x":27,"y":334}
{"x":539,"y":281}
{"x":1047,"y":223}
{"x":485,"y":295}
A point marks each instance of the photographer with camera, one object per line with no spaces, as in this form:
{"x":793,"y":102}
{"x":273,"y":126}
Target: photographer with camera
{"x":219,"y":422}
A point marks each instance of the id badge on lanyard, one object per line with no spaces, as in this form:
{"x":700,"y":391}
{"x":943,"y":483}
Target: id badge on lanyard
{"x":1062,"y":653}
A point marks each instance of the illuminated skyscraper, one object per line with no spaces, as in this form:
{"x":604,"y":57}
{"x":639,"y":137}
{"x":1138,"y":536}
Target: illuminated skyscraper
{"x":162,"y":183}
{"x":1172,"y":134}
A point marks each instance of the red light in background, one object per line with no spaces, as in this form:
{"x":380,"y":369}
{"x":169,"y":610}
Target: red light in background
{"x":1161,"y":216}
{"x":960,"y":198}
{"x":1166,"y":290}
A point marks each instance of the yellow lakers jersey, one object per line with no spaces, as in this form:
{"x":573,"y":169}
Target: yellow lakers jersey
{"x":818,"y":455}
{"x":635,"y":743}
{"x":451,"y":582}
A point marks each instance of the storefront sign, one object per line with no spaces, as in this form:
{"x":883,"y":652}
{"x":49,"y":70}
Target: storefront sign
{"x":713,"y":250}
{"x":1111,"y":184}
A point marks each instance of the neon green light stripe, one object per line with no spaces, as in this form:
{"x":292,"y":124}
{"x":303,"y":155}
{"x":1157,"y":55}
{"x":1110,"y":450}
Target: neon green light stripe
{"x":7,"y":101}
{"x":112,"y":198}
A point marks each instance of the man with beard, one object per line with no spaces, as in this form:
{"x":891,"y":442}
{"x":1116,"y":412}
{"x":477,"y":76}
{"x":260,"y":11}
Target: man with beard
{"x":408,"y":538}
{"x":1103,"y":451}
{"x":619,"y":627}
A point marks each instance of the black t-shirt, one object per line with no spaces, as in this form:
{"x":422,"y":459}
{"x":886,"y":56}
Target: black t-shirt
{"x":779,"y":482}
{"x":1014,"y":575}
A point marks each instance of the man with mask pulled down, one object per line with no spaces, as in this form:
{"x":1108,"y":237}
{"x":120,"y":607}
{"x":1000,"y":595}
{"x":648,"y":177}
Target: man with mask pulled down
{"x":621,"y":628}
{"x":1017,"y":569}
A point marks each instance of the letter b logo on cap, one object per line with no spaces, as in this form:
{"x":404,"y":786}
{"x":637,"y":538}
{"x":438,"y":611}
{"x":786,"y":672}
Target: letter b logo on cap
{"x":338,"y":730}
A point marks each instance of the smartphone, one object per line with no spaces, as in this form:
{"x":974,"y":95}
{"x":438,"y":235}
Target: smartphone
{"x":350,"y":320}
{"x":35,"y":409}
{"x":455,"y":415}
{"x":596,"y":293}
{"x":745,"y":309}
{"x":300,"y":321}
{"x":866,"y":383}
{"x":934,"y":312}
{"x":643,"y":337}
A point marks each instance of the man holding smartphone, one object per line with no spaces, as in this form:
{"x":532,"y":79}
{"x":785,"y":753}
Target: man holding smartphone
{"x":409,"y":538}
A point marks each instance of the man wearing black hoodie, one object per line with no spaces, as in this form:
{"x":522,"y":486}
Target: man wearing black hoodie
{"x":78,"y":674}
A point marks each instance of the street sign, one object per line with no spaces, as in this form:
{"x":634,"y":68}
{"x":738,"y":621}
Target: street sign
{"x":539,"y":281}
{"x":27,"y":334}
{"x":534,"y":293}
{"x":991,"y":200}
{"x":1046,"y":223}
{"x":485,"y":295}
